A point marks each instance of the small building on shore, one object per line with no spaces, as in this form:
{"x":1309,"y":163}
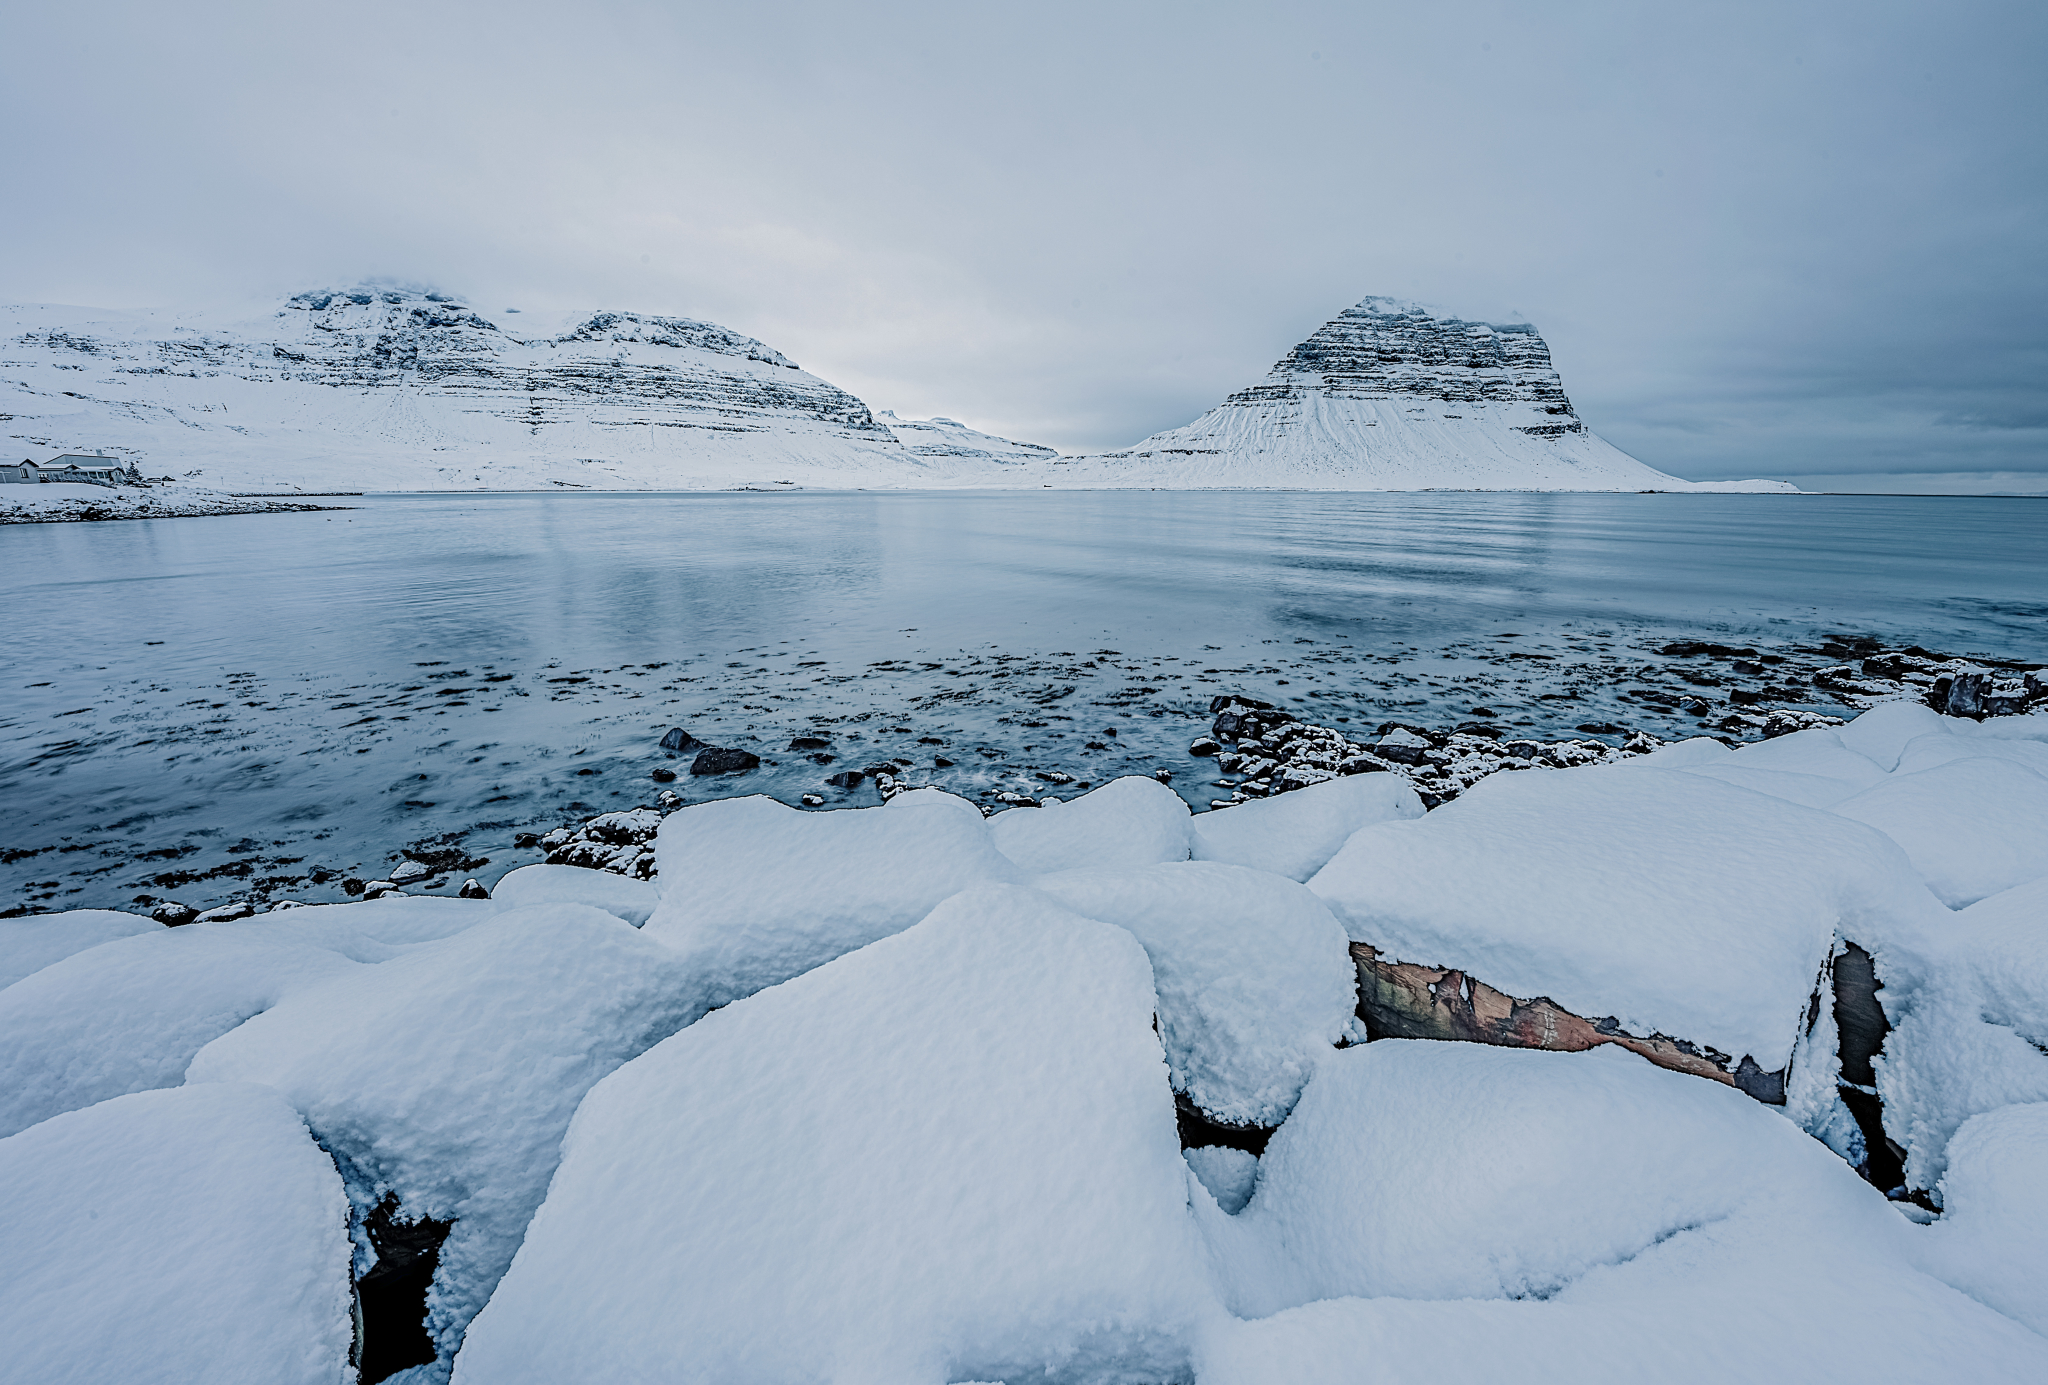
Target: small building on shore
{"x":19,"y":473}
{"x":89,"y":468}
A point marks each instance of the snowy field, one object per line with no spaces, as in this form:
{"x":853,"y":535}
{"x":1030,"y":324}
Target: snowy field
{"x":260,"y":708}
{"x":1087,"y":1092}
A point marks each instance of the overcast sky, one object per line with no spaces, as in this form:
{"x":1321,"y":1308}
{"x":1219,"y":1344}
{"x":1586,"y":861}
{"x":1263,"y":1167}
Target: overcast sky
{"x":1791,"y":240}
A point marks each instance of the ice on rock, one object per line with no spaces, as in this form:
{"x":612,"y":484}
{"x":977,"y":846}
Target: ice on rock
{"x":129,"y":1015}
{"x":1254,"y":976}
{"x":1675,"y":904}
{"x":448,"y":1075}
{"x":1130,"y":821}
{"x":1295,"y":834}
{"x":948,"y":1156}
{"x":1614,"y":1222}
{"x":27,"y":945}
{"x":1972,"y":826}
{"x":1992,"y":1239}
{"x":755,"y":892}
{"x":183,"y":1235}
{"x":631,"y":900}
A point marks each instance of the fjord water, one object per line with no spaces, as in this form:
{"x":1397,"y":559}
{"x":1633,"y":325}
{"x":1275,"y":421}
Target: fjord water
{"x":334,"y":685}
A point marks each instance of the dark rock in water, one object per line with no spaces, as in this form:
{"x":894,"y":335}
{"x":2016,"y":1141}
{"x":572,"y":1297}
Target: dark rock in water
{"x":823,"y":758}
{"x":809,"y":743}
{"x":1603,"y":728}
{"x":1480,"y":728}
{"x":1164,"y":776}
{"x":1228,"y":725}
{"x":1743,"y":697}
{"x":717,"y":760}
{"x":941,"y":762}
{"x":172,"y":914}
{"x":1687,"y":649}
{"x":1223,"y":700}
{"x":1489,"y":712}
{"x":662,"y":775}
{"x":1203,"y":746}
{"x":353,"y":885}
{"x":523,"y":840}
{"x":678,"y":739}
{"x":473,"y":889}
{"x":847,"y":779}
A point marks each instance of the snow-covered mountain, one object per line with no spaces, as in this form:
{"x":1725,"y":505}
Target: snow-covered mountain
{"x":1392,"y":395}
{"x":394,"y":388}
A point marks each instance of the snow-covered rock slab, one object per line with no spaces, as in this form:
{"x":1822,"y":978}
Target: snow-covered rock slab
{"x":1253,"y":974}
{"x":1585,"y":1217}
{"x":1297,"y":833}
{"x":948,"y":1156}
{"x":129,"y":1014}
{"x":631,"y":900}
{"x":446,"y":1076}
{"x":1992,"y":1239}
{"x":1972,"y":825}
{"x":755,"y":892}
{"x":27,"y":945}
{"x":1131,"y":821}
{"x":1659,"y":900}
{"x":193,"y":1234}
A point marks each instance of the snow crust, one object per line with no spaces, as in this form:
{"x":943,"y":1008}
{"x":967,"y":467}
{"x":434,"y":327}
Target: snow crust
{"x":1584,"y":1216}
{"x":27,"y":945}
{"x":1672,"y":903}
{"x":948,"y":1156}
{"x":1295,"y":834}
{"x":130,"y":1014}
{"x":758,"y":892}
{"x":1253,"y":974}
{"x":1131,"y":821}
{"x":192,"y":1234}
{"x":520,"y":1015}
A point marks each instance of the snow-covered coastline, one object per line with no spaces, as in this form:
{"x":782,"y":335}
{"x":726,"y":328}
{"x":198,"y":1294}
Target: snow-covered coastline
{"x":1100,"y":1089}
{"x":62,"y":502}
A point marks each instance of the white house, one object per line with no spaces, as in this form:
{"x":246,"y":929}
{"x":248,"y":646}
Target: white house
{"x":23,"y":472}
{"x":92,"y":469}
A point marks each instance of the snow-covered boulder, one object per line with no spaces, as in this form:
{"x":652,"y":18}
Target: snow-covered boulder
{"x":1970,"y":1011}
{"x":128,"y":1015}
{"x":1295,"y":834}
{"x":29,"y":944}
{"x":948,"y":1156}
{"x":755,"y":892}
{"x":1130,"y":821}
{"x":1583,"y":1216}
{"x":1973,"y":825}
{"x":1664,"y":901}
{"x":1992,"y":1239}
{"x":1881,"y":734}
{"x":192,"y":1234}
{"x":446,"y":1076}
{"x":1254,"y":976}
{"x":631,"y":900}
{"x":1811,"y":767}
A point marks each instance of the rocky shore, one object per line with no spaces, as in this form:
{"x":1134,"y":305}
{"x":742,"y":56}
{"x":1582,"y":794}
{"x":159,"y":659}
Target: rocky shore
{"x":62,"y":503}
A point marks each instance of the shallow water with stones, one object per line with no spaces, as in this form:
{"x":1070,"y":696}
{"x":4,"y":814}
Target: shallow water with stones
{"x":258,"y":706}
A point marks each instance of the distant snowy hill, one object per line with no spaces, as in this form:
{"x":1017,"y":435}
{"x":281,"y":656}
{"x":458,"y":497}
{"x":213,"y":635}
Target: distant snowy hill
{"x":1391,"y":395}
{"x":388,"y":388}
{"x":942,"y":437}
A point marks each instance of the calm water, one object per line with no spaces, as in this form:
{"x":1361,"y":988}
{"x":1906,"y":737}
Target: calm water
{"x":206,"y":708}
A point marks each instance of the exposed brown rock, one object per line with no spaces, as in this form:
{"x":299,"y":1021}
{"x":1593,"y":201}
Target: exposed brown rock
{"x":1405,"y":1000}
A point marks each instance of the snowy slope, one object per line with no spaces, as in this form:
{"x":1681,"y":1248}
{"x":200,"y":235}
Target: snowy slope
{"x":942,"y":437}
{"x":395,"y":388}
{"x":1390,"y":395}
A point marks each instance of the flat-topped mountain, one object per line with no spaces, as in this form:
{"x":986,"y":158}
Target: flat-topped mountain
{"x":1391,"y":395}
{"x":372,"y":388}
